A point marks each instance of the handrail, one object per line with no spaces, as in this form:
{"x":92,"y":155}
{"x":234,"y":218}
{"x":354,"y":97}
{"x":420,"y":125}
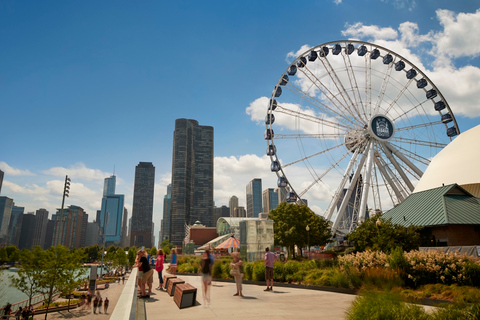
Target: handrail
{"x":127,"y":302}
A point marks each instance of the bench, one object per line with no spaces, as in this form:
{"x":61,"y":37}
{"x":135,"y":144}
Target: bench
{"x":172,"y":283}
{"x":166,"y":278}
{"x":185,"y":295}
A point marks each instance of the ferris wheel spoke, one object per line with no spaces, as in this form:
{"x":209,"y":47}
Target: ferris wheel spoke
{"x":422,"y":125}
{"x":420,"y":142}
{"x":309,"y":136}
{"x":397,"y":167}
{"x":308,"y":117}
{"x":406,"y":113}
{"x":354,"y":87}
{"x":377,"y":203}
{"x":403,"y":158}
{"x":321,"y":106}
{"x":314,"y":155}
{"x":412,"y":155}
{"x":399,"y":95}
{"x":385,"y":82}
{"x":319,"y":178}
{"x":366,"y":184}
{"x":339,"y":85}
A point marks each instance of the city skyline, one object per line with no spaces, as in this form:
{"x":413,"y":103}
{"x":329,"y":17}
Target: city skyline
{"x":126,"y":76}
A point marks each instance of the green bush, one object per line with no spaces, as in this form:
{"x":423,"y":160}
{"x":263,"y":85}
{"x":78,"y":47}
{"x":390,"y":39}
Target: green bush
{"x":326,"y":263}
{"x":217,"y":270}
{"x":291,"y":267}
{"x":472,"y":273}
{"x":247,"y":270}
{"x":258,"y":273}
{"x":278,"y":272}
{"x":373,"y":305}
{"x":397,"y":259}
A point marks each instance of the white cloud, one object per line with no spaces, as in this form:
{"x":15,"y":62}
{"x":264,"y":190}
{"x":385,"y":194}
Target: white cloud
{"x":78,"y":171}
{"x":10,"y":171}
{"x":359,"y":31}
{"x":337,"y":1}
{"x":402,"y":4}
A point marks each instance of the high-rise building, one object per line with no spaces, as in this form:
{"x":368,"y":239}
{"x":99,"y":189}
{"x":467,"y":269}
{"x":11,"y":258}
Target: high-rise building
{"x":125,"y":243}
{"x":141,"y":233}
{"x":68,"y":227}
{"x":83,"y":236}
{"x":49,"y":234}
{"x":254,"y":198}
{"x":239,"y":212}
{"x":167,"y":211}
{"x":27,"y":231}
{"x":111,"y":217}
{"x":15,"y":225}
{"x":219,"y":212}
{"x":92,"y":237}
{"x":232,"y":204}
{"x":270,"y":200}
{"x":192,"y":177}
{"x":41,"y":220}
{"x":109,"y":185}
{"x":281,"y":194}
{"x":1,"y":180}
{"x":6,"y":205}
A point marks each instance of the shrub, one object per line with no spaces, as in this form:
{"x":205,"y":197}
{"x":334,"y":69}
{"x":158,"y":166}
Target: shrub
{"x":278,"y":272}
{"x":247,"y":270}
{"x":291,"y":267}
{"x":217,"y":270}
{"x":258,"y":273}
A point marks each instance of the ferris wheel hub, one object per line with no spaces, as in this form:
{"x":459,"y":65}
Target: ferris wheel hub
{"x":381,"y":128}
{"x":356,"y":138}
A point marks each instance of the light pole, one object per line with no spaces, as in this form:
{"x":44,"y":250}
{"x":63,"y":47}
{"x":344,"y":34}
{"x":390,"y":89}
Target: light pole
{"x":58,"y":236}
{"x":308,"y":240}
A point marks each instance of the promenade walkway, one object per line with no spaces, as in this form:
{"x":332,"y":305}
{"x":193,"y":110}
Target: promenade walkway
{"x":282,"y":303}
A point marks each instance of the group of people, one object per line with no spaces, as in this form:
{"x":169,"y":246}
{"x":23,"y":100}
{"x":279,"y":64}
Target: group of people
{"x":98,"y":303}
{"x":25,"y":313}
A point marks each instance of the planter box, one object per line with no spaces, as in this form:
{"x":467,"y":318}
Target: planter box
{"x":185,"y":295}
{"x":326,"y":256}
{"x":172,"y":283}
{"x":166,"y":278}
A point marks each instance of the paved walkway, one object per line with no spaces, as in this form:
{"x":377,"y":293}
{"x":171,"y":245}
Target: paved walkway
{"x":84,"y":313}
{"x":282,"y":303}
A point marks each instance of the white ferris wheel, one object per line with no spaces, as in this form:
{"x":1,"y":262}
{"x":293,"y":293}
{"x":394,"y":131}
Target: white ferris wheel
{"x":351,"y":127}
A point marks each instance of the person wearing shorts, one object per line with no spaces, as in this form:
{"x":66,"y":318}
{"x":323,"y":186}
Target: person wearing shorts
{"x":147,"y":277}
{"x":269,"y":259}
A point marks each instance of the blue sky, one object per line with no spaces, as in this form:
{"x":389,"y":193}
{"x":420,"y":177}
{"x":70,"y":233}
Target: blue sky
{"x":87,"y":86}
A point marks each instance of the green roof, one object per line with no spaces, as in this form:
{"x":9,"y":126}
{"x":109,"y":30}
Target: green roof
{"x":436,"y":207}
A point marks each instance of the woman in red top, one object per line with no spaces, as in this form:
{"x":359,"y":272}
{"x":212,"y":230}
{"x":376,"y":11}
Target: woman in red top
{"x":159,"y":268}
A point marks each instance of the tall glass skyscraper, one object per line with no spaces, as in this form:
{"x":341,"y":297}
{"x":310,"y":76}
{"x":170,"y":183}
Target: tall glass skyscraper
{"x":111,"y":214}
{"x":192,"y":177}
{"x":254,"y":198}
{"x":167,"y":210}
{"x":270,"y":200}
{"x":109,"y":185}
{"x":142,"y":210}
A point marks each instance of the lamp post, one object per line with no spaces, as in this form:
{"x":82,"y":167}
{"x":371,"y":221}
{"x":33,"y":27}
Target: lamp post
{"x":308,"y":240}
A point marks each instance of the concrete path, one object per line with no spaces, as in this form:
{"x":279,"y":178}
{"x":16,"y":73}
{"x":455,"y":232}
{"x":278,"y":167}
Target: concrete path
{"x":282,"y":303}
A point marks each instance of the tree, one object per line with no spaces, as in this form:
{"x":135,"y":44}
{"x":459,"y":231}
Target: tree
{"x":3,"y":255}
{"x":132,"y":254}
{"x":29,"y":275}
{"x":93,"y":252}
{"x":62,"y":271}
{"x":120,"y":258}
{"x":376,"y":233}
{"x":13,"y":253}
{"x":289,"y":225}
{"x":153,"y":251}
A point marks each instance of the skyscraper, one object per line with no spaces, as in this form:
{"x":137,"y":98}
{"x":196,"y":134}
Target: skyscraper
{"x":192,"y":177}
{"x":111,"y":217}
{"x":15,"y":225}
{"x":167,"y":210}
{"x":68,"y":227}
{"x":1,"y":180}
{"x":27,"y":231}
{"x":6,"y":205}
{"x":254,"y":198}
{"x":41,"y":220}
{"x":109,"y":185}
{"x":125,"y":228}
{"x":270,"y":200}
{"x":142,"y":210}
{"x":232,"y":204}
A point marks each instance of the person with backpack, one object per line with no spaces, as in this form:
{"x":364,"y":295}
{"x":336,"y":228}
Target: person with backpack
{"x":236,"y":270}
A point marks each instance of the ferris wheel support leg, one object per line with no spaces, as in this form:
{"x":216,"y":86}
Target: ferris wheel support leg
{"x":403,"y":158}
{"x":343,"y":206}
{"x":398,"y":167}
{"x":389,"y":180}
{"x":366,"y":185}
{"x":336,"y":197}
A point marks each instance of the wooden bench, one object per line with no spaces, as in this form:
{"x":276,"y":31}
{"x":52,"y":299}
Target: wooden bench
{"x":166,"y":278}
{"x":172,"y":283}
{"x":185,"y":295}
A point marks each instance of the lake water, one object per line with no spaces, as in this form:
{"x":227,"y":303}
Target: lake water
{"x":12,"y":294}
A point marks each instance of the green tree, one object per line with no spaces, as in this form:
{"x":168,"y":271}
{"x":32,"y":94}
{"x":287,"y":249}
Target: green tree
{"x":132,"y":254}
{"x":29,"y":276}
{"x":112,"y":248}
{"x":3,"y":255}
{"x":62,"y":271}
{"x":13,"y":253}
{"x":93,"y":253}
{"x":289,"y":225}
{"x":153,"y":251}
{"x":376,"y":233}
{"x":120,"y":258}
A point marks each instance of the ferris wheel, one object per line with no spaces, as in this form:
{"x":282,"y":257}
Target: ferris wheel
{"x":351,"y":127}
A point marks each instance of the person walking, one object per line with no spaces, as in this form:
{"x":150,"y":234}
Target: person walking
{"x":269,"y":258}
{"x":206,"y":267}
{"x":105,"y":304}
{"x":100,"y":304}
{"x":237,"y":272}
{"x":173,"y":262}
{"x":159,"y":268}
{"x":95,"y":304}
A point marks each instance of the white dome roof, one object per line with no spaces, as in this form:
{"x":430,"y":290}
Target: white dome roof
{"x":457,"y":163}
